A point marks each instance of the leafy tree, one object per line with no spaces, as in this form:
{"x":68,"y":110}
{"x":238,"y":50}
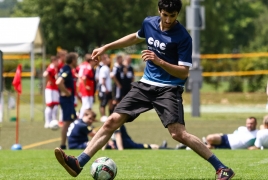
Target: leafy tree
{"x":229,"y":25}
{"x":86,"y":23}
{"x":6,"y":7}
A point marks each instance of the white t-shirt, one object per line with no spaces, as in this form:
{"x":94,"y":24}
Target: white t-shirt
{"x":262,"y":138}
{"x":105,"y":73}
{"x":242,"y":138}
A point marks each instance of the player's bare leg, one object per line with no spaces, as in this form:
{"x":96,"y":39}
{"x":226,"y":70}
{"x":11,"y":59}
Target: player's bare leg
{"x":105,"y":132}
{"x":64,"y":130}
{"x":179,"y":133}
{"x":213,"y":139}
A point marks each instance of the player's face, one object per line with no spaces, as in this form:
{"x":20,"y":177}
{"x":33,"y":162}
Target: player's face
{"x":120,"y":59}
{"x":168,"y":19}
{"x":251,"y":124}
{"x":88,"y":118}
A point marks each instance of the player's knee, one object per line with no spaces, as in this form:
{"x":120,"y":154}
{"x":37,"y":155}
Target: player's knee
{"x":112,"y":123}
{"x":180,"y":136}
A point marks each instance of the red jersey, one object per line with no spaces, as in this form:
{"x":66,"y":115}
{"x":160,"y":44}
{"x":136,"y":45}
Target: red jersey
{"x":52,"y":76}
{"x":75,"y":78}
{"x":87,"y":88}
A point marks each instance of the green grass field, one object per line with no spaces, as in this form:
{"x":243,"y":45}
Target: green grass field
{"x":135,"y":164}
{"x":220,"y":113}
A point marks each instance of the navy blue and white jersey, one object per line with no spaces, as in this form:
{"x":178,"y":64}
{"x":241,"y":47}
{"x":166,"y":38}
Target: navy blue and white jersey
{"x":66,"y":73}
{"x":124,"y":134}
{"x":173,"y":46}
{"x":118,"y":72}
{"x":78,"y":133}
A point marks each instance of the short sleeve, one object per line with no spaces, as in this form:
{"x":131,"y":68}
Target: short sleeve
{"x":185,"y":52}
{"x":141,"y":34}
{"x":64,"y":73}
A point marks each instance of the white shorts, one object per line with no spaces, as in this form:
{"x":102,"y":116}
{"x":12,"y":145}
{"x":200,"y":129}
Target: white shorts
{"x":87,"y":102}
{"x":52,"y":97}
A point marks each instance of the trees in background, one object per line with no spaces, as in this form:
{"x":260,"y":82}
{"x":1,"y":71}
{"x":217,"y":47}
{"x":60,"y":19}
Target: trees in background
{"x":86,"y":24}
{"x":232,"y":26}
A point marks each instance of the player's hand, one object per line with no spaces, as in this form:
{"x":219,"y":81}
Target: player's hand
{"x":87,"y":87}
{"x":67,"y":93}
{"x":97,"y":52}
{"x":148,"y":55}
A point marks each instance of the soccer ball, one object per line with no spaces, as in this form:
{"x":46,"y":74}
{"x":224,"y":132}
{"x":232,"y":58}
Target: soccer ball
{"x":54,"y":124}
{"x":103,"y":168}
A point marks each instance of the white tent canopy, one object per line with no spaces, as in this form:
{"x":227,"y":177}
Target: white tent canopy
{"x":22,"y":36}
{"x":18,"y":34}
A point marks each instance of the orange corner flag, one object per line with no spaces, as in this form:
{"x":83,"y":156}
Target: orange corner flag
{"x":17,"y":80}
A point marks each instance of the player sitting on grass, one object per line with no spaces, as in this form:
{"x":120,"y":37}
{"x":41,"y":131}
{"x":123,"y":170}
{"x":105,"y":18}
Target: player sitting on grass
{"x":80,"y":129}
{"x":242,"y":138}
{"x":121,"y":141}
{"x":168,"y":59}
{"x":262,"y":136}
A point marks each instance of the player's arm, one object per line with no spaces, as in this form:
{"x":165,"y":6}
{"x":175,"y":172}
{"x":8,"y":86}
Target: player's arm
{"x":103,"y":80}
{"x":119,"y":141}
{"x":253,"y":148}
{"x":115,"y":79}
{"x":128,"y":40}
{"x":62,"y":88}
{"x":174,"y":70}
{"x":45,"y":75}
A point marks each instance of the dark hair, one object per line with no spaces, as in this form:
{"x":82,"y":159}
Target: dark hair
{"x":70,"y":57}
{"x":170,"y":5}
{"x":90,"y":111}
{"x":255,"y":119}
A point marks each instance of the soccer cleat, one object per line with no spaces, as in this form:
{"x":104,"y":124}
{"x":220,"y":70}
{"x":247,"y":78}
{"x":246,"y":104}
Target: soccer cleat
{"x":70,"y":163}
{"x":224,"y":174}
{"x":163,"y":145}
{"x":181,"y":146}
{"x":204,"y":140}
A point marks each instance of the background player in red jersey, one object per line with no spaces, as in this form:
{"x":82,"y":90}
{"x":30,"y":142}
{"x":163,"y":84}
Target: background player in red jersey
{"x":86,"y":83}
{"x":51,"y":91}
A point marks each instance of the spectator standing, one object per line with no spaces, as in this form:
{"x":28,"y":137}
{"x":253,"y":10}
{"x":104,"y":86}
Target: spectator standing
{"x":67,"y":92}
{"x":105,"y":92}
{"x":51,"y":91}
{"x":86,"y":83}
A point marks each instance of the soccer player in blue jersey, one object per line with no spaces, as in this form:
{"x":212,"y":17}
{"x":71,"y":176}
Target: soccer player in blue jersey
{"x":66,"y":86}
{"x":80,"y":129}
{"x":168,"y":59}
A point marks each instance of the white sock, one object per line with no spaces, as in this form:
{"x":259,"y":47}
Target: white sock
{"x":55,"y":112}
{"x":48,"y":115}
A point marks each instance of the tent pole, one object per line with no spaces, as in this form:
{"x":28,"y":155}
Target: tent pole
{"x":32,"y":83}
{"x":43,"y":79}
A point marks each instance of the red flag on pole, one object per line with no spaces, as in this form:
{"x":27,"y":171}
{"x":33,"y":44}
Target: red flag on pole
{"x":17,"y":86}
{"x":17,"y":80}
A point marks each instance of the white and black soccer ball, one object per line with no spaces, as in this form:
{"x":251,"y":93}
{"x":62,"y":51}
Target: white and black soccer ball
{"x":54,"y":124}
{"x":103,"y":168}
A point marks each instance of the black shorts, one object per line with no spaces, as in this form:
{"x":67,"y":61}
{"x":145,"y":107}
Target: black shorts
{"x":105,"y":98}
{"x":68,"y":111}
{"x":224,"y":143}
{"x":167,"y":102}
